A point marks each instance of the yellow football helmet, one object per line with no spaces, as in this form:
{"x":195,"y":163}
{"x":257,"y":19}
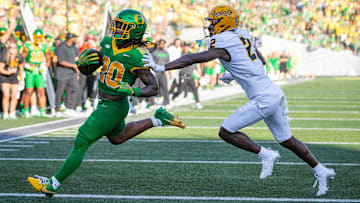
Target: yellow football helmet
{"x":222,"y":18}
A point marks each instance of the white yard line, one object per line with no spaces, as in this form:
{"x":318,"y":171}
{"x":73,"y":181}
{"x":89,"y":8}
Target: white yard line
{"x":37,"y":125}
{"x":305,"y":101}
{"x":291,"y":111}
{"x":8,"y":150}
{"x":292,"y":105}
{"x":291,"y":118}
{"x":186,"y":141}
{"x":175,"y":161}
{"x":187,"y":198}
{"x":324,"y":98}
{"x":39,"y":133}
{"x":20,"y":146}
{"x":64,"y":133}
{"x":28,"y":142}
{"x":266,"y":128}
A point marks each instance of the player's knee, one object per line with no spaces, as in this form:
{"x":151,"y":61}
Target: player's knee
{"x":82,"y":141}
{"x":289,"y":143}
{"x":118,"y":139}
{"x":223,"y":133}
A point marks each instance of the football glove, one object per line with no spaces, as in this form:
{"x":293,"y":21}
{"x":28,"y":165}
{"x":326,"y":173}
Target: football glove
{"x":227,"y":78}
{"x":127,"y":89}
{"x":87,"y":58}
{"x":149,"y":62}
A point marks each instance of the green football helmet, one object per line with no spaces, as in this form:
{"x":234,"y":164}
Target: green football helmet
{"x":38,"y":36}
{"x":128,"y":25}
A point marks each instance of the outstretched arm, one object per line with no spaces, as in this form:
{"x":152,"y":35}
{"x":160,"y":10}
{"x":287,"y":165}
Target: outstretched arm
{"x":202,"y":57}
{"x":151,"y":86}
{"x":187,"y":60}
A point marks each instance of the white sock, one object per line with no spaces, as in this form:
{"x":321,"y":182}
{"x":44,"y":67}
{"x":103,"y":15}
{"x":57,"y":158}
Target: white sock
{"x":264,"y":152}
{"x":319,"y":168}
{"x":56,"y":183}
{"x":156,"y":122}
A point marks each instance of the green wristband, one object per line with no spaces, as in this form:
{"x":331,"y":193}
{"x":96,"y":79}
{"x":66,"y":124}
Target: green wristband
{"x":136,"y":91}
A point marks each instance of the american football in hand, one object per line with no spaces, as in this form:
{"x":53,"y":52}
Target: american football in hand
{"x":92,"y":58}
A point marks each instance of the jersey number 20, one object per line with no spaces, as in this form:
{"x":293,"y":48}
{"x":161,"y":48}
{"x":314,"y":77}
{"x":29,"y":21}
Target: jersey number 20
{"x":111,"y":73}
{"x":247,"y":44}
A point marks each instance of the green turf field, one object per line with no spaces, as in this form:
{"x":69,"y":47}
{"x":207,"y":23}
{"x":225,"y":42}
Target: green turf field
{"x":175,"y":165}
{"x":19,"y":122}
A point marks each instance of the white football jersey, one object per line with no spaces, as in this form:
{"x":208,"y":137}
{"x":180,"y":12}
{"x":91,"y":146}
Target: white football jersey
{"x":244,"y":65}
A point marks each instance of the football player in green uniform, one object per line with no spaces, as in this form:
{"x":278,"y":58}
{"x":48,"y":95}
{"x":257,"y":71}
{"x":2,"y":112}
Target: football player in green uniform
{"x":34,"y":54}
{"x":121,"y":55}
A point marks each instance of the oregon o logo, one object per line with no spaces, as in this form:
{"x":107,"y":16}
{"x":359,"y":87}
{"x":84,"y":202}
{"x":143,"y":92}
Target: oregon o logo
{"x":139,"y":19}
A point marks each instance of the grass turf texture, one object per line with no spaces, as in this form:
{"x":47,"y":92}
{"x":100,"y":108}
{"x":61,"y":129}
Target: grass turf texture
{"x":116,"y":176}
{"x":19,"y":122}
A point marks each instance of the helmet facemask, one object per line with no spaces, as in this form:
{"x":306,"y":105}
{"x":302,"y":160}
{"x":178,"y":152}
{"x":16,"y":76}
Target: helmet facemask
{"x":38,"y":39}
{"x":120,"y":30}
{"x":128,"y":26}
{"x":209,"y":26}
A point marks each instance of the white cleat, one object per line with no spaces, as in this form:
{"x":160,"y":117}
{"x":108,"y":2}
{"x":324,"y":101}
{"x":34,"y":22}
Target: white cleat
{"x":323,"y":180}
{"x":268,"y":164}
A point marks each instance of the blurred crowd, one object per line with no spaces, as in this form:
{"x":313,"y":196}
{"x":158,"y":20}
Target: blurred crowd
{"x":334,"y":24}
{"x":71,"y":26}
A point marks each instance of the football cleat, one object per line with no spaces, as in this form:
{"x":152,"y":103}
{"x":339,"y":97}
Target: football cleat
{"x":167,"y":118}
{"x":42,"y":184}
{"x":27,"y":114}
{"x":323,"y":180}
{"x":268,"y":164}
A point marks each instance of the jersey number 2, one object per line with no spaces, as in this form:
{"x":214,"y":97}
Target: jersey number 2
{"x":247,"y":44}
{"x":111,"y":73}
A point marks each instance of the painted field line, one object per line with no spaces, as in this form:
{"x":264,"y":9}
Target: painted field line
{"x":64,"y":133}
{"x":37,"y":125}
{"x":292,"y":118}
{"x":266,"y":128}
{"x":325,"y":98}
{"x":293,"y":105}
{"x":55,"y":136}
{"x":175,"y":161}
{"x":188,"y":198}
{"x":8,"y":150}
{"x":28,"y":142}
{"x":20,"y":146}
{"x":291,"y":111}
{"x":191,"y":141}
{"x":304,"y":101}
{"x":38,"y":133}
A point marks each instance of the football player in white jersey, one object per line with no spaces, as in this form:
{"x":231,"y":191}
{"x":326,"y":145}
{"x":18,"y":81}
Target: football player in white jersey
{"x":235,"y":49}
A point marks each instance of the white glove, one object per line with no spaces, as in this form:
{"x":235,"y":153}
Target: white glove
{"x":227,"y":78}
{"x":149,"y":62}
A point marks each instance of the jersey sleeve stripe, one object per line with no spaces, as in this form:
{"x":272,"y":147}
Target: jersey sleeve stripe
{"x":137,"y":68}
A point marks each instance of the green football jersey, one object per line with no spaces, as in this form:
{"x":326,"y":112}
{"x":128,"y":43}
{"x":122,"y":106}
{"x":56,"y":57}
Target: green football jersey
{"x":36,"y":54}
{"x":119,"y":65}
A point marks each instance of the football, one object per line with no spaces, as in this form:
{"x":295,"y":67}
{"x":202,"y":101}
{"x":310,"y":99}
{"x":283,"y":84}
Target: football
{"x":91,"y":67}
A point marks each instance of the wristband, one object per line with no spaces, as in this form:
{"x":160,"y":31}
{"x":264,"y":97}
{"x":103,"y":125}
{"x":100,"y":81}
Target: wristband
{"x":136,"y":91}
